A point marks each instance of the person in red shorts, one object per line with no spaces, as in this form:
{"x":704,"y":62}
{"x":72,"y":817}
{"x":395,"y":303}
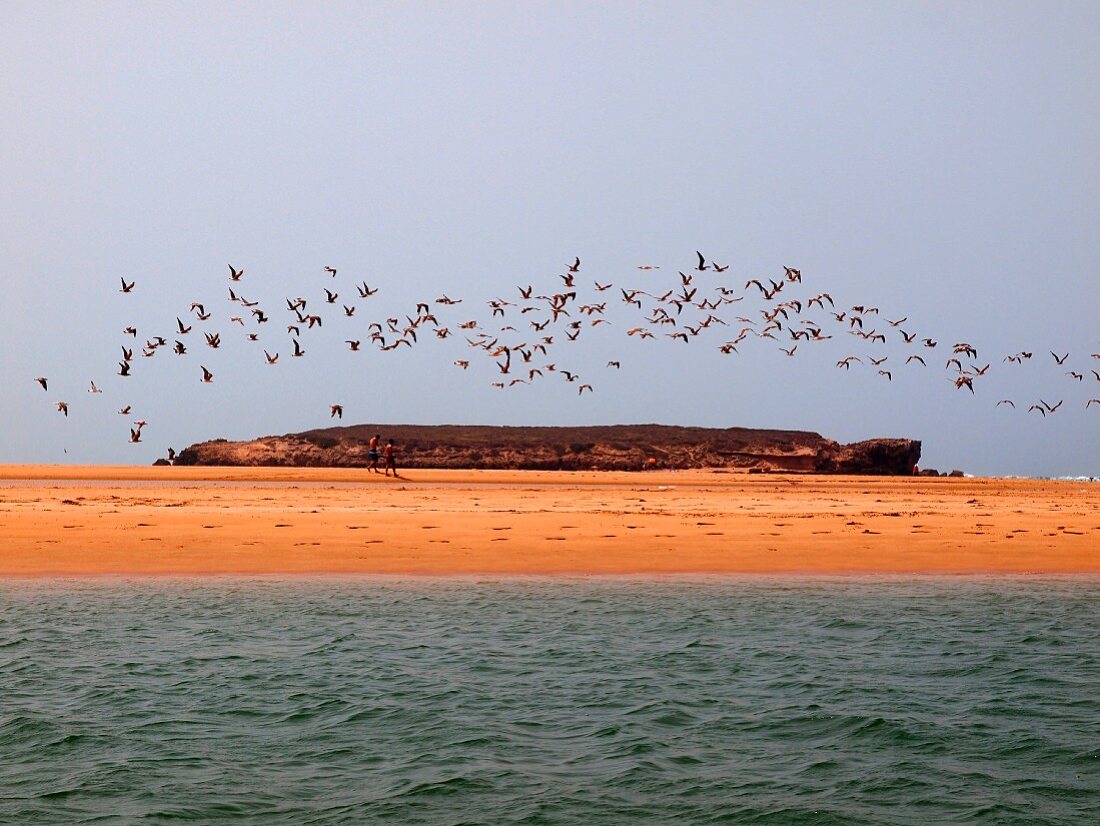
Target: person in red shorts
{"x":387,"y":456}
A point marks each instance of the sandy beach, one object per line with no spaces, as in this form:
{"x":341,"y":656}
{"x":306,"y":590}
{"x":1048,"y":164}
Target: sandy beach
{"x":59,"y":520}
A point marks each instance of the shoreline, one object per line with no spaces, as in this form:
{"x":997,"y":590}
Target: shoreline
{"x":131,"y":521}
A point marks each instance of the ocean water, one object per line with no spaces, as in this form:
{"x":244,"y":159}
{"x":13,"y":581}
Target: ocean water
{"x":448,"y":701}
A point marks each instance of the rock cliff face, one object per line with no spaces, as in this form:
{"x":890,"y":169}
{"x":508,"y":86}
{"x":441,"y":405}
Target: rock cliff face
{"x":613,"y":447}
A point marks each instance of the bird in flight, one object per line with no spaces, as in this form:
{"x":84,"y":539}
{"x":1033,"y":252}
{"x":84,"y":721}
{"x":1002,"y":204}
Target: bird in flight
{"x":126,"y":287}
{"x":63,"y":407}
{"x":331,"y":271}
{"x":336,"y":411}
{"x":42,"y":380}
{"x":271,"y":359}
{"x":207,"y":376}
{"x":235,"y":274}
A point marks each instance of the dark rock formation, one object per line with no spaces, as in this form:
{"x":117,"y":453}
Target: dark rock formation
{"x":883,"y":457}
{"x":612,"y":447}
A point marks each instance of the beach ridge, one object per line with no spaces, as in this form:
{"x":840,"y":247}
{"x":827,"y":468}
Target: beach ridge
{"x":81,"y":520}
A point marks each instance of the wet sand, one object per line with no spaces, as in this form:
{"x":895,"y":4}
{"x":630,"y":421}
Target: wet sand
{"x":60,"y":520}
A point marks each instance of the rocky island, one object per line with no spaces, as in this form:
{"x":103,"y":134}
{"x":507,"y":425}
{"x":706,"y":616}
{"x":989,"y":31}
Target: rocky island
{"x":610,"y":447}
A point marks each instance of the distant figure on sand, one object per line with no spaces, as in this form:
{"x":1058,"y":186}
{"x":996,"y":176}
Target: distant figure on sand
{"x":387,"y":453}
{"x":373,"y":445}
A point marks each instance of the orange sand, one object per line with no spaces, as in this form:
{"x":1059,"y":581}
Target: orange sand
{"x":131,"y":520}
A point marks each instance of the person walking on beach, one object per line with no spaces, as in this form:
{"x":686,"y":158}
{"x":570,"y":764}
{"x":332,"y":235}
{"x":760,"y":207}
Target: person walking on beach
{"x":373,"y":453}
{"x":387,"y":454}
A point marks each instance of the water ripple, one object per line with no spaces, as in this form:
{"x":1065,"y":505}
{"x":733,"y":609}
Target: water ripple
{"x":455,"y":701}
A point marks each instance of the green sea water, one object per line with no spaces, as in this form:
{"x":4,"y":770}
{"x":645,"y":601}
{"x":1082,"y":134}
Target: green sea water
{"x":464,"y":700}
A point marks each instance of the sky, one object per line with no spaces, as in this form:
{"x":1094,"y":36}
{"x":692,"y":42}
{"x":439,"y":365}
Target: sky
{"x":935,"y":160}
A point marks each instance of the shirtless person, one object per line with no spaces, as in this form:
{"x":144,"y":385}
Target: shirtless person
{"x":373,"y":445}
{"x":387,"y":454}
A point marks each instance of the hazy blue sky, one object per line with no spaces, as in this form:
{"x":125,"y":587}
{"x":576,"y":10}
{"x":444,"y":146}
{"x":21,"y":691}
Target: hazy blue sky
{"x":938,"y":160}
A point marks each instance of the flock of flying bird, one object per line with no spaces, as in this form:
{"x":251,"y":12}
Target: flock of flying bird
{"x":526,"y":335}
